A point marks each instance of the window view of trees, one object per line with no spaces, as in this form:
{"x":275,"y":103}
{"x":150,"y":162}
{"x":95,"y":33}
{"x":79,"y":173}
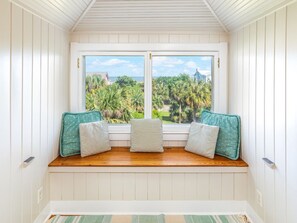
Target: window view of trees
{"x":176,"y":97}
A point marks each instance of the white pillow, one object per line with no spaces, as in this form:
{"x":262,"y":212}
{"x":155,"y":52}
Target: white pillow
{"x":202,"y":139}
{"x":146,"y":135}
{"x":93,"y":138}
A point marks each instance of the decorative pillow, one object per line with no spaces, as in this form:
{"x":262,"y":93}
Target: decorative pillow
{"x":146,"y":135}
{"x":94,"y":138}
{"x":69,"y":136}
{"x":228,"y":142}
{"x":202,"y":139}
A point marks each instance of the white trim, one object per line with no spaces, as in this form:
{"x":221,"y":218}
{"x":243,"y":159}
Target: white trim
{"x":254,"y":217}
{"x":171,"y":132}
{"x":148,"y":169}
{"x":151,"y":207}
{"x":44,"y":214}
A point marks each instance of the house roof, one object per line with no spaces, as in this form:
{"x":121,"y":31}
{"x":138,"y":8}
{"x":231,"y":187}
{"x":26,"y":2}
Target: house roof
{"x":150,"y":15}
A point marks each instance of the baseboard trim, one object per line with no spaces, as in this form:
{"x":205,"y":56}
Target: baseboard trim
{"x":148,"y":207}
{"x":252,"y":214}
{"x":44,"y":214}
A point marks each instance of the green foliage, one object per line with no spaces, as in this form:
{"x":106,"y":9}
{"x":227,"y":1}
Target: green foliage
{"x":178,"y":99}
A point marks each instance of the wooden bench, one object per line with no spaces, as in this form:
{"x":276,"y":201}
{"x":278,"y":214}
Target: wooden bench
{"x":122,"y":157}
{"x":173,"y":175}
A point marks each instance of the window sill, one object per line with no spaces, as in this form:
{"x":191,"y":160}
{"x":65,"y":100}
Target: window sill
{"x":177,"y":132}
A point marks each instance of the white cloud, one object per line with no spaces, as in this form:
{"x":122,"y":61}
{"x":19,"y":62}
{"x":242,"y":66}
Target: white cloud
{"x":166,"y":61}
{"x":110,"y":62}
{"x":191,"y":64}
{"x":206,"y":58}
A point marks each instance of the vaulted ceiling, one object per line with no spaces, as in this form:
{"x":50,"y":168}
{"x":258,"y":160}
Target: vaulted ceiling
{"x":150,"y":15}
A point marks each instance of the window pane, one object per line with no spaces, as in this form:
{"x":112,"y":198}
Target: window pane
{"x":181,"y":87}
{"x":115,"y":87}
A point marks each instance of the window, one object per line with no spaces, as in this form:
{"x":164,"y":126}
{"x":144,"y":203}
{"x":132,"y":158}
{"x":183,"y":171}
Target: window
{"x":139,"y":80}
{"x":115,"y":86}
{"x":181,"y":86}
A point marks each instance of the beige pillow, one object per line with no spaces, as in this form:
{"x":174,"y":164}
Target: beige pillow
{"x":202,"y":139}
{"x":146,"y":135}
{"x":94,"y":138}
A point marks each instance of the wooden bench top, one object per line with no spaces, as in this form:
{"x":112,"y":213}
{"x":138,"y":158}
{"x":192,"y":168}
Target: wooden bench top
{"x":122,"y":157}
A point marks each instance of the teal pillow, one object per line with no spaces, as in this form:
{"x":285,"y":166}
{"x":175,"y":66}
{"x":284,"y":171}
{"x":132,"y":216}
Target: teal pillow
{"x":69,"y":137}
{"x":228,"y":142}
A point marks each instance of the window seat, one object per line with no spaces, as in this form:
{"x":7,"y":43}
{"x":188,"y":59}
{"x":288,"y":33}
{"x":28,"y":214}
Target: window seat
{"x":122,"y":157}
{"x":173,"y":175}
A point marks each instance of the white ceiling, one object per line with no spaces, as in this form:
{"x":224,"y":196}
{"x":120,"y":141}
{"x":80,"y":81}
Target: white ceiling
{"x":64,"y":13}
{"x":150,"y":15}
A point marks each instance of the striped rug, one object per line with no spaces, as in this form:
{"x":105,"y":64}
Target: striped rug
{"x":150,"y":219}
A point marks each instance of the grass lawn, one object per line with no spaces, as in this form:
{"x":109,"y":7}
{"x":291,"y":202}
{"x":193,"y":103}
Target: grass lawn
{"x":166,"y":117}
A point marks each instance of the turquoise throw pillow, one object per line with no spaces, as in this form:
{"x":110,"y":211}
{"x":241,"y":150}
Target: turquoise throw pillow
{"x":69,"y":137}
{"x":228,"y":142}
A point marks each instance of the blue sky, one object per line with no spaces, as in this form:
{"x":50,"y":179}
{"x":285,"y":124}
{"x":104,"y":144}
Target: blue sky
{"x":162,"y":65}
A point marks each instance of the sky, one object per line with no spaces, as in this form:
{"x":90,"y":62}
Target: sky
{"x":162,"y":65}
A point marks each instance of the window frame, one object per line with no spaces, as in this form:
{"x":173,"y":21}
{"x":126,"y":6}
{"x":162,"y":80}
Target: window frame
{"x":174,"y":132}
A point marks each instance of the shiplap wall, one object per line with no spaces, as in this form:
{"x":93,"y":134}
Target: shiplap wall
{"x":148,"y":184}
{"x":149,"y":37}
{"x":33,"y":94}
{"x":262,"y":89}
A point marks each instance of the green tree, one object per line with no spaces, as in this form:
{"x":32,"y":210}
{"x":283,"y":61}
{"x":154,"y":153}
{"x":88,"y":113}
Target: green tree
{"x":125,"y":81}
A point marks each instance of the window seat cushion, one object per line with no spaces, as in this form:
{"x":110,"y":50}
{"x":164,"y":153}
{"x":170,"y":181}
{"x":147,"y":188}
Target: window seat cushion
{"x":122,"y":157}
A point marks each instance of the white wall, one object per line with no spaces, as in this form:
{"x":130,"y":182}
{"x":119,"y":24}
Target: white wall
{"x":33,"y":94}
{"x":262,"y":89}
{"x":149,"y":37}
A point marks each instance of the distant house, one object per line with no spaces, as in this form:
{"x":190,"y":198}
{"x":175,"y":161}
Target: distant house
{"x":104,"y":75}
{"x":199,"y":77}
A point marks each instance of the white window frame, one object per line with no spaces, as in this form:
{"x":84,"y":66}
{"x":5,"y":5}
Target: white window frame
{"x":174,"y":132}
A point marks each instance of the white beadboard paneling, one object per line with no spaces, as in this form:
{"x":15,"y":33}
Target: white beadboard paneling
{"x":269,"y":118}
{"x":141,"y":186}
{"x":203,"y":186}
{"x":260,"y":109}
{"x":240,"y":186}
{"x":215,"y":186}
{"x":116,"y":186}
{"x":272,"y":112}
{"x":5,"y":165}
{"x":234,"y":14}
{"x":291,"y":111}
{"x":16,"y":113}
{"x":178,"y":186}
{"x":104,"y":186}
{"x":190,"y":186}
{"x":153,"y":188}
{"x":165,"y":186}
{"x":27,"y":114}
{"x":55,"y":187}
{"x":67,"y":186}
{"x":149,"y":15}
{"x":280,"y":116}
{"x":36,"y":88}
{"x":80,"y":186}
{"x":149,"y":185}
{"x":227,"y":186}
{"x":25,"y":88}
{"x":155,"y":37}
{"x":62,"y":13}
{"x":129,"y":186}
{"x":92,"y":186}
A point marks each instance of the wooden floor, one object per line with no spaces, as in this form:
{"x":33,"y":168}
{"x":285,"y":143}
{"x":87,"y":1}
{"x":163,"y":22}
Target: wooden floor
{"x":121,"y":157}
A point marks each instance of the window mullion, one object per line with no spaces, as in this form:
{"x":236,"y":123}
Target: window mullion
{"x":148,"y":86}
